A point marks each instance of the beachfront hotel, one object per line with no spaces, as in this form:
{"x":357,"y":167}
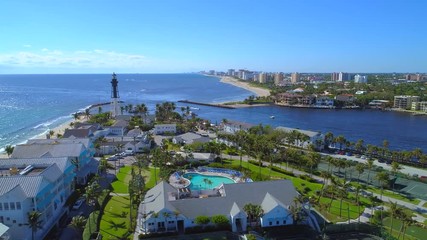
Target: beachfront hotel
{"x":165,"y":208}
{"x":35,"y":184}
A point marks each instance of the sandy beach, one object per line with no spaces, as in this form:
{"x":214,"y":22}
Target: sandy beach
{"x":258,"y":91}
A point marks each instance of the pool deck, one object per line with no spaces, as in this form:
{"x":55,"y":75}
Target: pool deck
{"x":179,"y":182}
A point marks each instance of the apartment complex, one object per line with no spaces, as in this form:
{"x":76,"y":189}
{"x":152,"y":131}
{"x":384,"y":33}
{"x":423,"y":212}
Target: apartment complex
{"x":295,"y":77}
{"x":405,"y":102}
{"x":34,"y":184}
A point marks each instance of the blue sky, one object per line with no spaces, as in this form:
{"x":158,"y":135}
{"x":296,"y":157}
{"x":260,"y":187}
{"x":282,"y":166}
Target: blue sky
{"x":156,"y":36}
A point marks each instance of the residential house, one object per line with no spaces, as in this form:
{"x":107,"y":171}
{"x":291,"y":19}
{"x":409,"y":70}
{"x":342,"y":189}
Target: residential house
{"x":189,"y":138}
{"x":274,"y":197}
{"x":34,"y":184}
{"x":139,"y":144}
{"x":197,"y":156}
{"x":160,"y":129}
{"x":118,"y":128}
{"x":315,"y":138}
{"x":80,"y":155}
{"x":288,"y":99}
{"x":324,"y":102}
{"x":235,"y":126}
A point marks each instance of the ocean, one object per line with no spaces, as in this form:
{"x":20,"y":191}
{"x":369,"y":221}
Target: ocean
{"x":32,"y":104}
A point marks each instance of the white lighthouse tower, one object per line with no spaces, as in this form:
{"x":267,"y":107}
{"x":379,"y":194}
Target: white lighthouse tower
{"x":115,"y":104}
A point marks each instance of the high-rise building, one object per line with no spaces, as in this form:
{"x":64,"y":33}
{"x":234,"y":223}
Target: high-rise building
{"x":360,"y":79}
{"x":294,"y":77}
{"x":334,"y":76}
{"x":262,"y":77}
{"x":414,"y":77}
{"x":278,"y":78}
{"x":342,"y":76}
{"x":230,"y":72}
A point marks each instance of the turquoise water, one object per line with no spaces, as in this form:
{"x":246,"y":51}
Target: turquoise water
{"x":197,"y":181}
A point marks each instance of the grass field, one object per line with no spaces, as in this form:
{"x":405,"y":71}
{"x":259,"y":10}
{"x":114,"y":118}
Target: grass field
{"x":393,"y":195}
{"x":412,"y":233}
{"x":115,"y":222}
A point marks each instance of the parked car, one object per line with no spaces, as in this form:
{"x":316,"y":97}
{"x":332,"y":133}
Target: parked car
{"x":78,"y":203}
{"x":113,"y":158}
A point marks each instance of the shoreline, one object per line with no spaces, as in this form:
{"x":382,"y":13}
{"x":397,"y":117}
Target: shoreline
{"x":261,"y":92}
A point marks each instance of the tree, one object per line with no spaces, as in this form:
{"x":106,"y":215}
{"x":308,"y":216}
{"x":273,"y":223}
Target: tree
{"x":166,"y":215}
{"x":395,"y":168}
{"x":9,"y":150}
{"x":394,"y":212}
{"x":360,"y":168}
{"x":34,"y":222}
{"x":340,"y":140}
{"x":78,"y":223}
{"x":202,"y":220}
{"x":220,"y":220}
{"x":369,"y":166}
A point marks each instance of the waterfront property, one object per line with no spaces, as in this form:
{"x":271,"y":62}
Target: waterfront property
{"x":315,"y":138}
{"x":235,"y":126}
{"x":81,"y":151}
{"x":164,"y":128}
{"x":38,"y":184}
{"x":405,"y":102}
{"x":189,"y":138}
{"x":165,"y":208}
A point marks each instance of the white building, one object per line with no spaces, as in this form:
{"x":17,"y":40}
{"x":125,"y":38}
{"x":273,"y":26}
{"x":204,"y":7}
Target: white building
{"x":315,"y":138}
{"x":164,"y":128}
{"x":39,"y":184}
{"x":360,"y":79}
{"x":274,"y":197}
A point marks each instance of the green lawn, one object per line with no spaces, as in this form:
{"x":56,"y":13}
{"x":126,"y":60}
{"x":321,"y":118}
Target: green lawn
{"x":124,"y":176}
{"x":299,"y":183}
{"x":394,"y":195}
{"x":150,"y":180}
{"x":115,"y":220}
{"x":425,"y":204}
{"x":201,"y":236}
{"x":413,"y":232}
{"x":90,"y":225}
{"x":349,"y":209}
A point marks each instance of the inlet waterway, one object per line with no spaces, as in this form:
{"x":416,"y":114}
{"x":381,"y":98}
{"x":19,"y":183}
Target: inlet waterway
{"x":32,"y":104}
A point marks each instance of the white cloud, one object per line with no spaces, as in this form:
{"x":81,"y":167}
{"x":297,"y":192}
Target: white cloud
{"x":81,"y":59}
{"x":27,"y":46}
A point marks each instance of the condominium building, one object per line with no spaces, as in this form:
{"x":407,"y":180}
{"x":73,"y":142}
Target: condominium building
{"x":419,"y":106}
{"x":278,"y":78}
{"x":262,"y":77}
{"x":230,"y":72}
{"x":295,"y":77}
{"x":334,"y":76}
{"x":342,"y":76}
{"x":39,"y":184}
{"x":405,"y":102}
{"x":360,"y":79}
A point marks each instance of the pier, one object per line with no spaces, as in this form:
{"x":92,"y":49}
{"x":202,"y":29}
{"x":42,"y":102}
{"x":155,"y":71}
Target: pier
{"x":207,"y":104}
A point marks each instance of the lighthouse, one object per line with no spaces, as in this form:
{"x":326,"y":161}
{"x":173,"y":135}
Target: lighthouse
{"x":115,"y":105}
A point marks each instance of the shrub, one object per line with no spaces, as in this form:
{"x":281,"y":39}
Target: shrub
{"x":280,"y":170}
{"x":220,"y":220}
{"x":203,"y":220}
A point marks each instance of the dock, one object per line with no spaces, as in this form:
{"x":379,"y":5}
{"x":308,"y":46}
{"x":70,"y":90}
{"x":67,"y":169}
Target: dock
{"x":207,"y":104}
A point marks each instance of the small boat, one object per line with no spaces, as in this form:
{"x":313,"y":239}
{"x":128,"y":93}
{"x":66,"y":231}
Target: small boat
{"x":272,"y":117}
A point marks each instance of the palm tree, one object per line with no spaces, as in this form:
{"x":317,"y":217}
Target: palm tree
{"x":9,"y":150}
{"x":329,"y":137}
{"x":78,"y":223}
{"x":359,"y":146}
{"x":87,"y":113}
{"x":341,"y":140}
{"x":395,"y":168}
{"x":176,"y":214}
{"x":155,"y":215}
{"x":394,"y":212}
{"x":325,"y":175}
{"x":34,"y":222}
{"x":369,"y":166}
{"x":383,"y":179}
{"x":360,"y":168}
{"x":166,"y":215}
{"x":386,"y":144}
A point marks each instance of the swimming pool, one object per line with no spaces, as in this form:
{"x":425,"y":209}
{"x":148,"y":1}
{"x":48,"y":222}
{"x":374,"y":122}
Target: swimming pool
{"x":198,"y":181}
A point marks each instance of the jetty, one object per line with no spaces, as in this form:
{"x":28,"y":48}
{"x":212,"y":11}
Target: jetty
{"x":207,"y":104}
